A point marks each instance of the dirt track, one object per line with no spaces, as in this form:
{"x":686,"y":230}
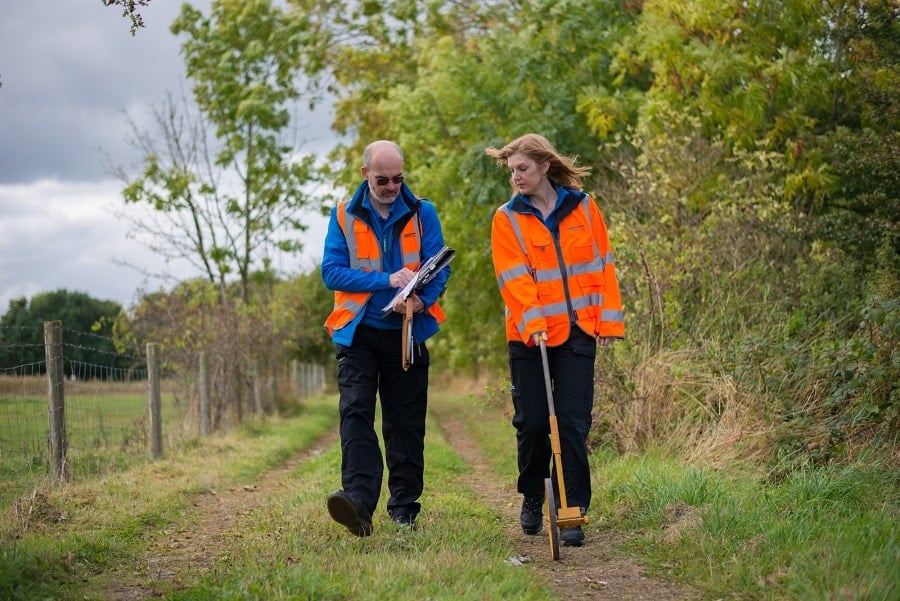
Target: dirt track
{"x":595,"y":571}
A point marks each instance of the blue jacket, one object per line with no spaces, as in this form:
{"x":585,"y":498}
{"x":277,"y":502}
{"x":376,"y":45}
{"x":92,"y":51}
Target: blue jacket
{"x":338,"y":275}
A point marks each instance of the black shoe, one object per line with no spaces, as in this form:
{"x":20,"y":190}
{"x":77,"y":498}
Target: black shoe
{"x":572,"y":537}
{"x":531,"y":517}
{"x":404,"y":519}
{"x":349,"y":512}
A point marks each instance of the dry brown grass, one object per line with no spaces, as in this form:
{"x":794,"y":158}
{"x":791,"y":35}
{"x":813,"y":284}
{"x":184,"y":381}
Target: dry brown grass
{"x":679,"y":403}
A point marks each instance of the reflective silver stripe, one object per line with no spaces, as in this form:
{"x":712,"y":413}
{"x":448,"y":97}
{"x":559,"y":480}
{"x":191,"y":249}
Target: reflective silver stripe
{"x":516,"y":229}
{"x":560,"y":308}
{"x":610,"y":315}
{"x":587,"y":211}
{"x":588,"y":300}
{"x":355,"y":261}
{"x":349,"y":305}
{"x":552,"y":309}
{"x":532,"y":314}
{"x":511,"y":274}
{"x":547,"y":275}
{"x":527,"y":316}
{"x":594,"y":265}
{"x":413,"y":258}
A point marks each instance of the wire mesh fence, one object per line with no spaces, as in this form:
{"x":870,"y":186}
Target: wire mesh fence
{"x":72,"y":405}
{"x":105,"y":408}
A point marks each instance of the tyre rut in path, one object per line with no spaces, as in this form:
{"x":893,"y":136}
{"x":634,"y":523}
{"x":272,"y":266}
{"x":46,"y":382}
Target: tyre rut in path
{"x":598,"y":570}
{"x":595,"y":571}
{"x":192,"y":550}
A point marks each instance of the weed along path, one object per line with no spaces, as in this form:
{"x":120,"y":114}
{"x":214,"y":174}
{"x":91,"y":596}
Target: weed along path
{"x":284,"y":506}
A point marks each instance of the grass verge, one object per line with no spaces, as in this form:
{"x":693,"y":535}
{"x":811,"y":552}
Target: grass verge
{"x":60,"y":537}
{"x":827,"y":533}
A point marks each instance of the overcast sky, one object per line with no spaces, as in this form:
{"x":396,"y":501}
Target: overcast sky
{"x":69,"y":72}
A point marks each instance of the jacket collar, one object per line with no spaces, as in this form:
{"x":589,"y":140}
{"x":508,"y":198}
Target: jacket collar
{"x":570,"y":200}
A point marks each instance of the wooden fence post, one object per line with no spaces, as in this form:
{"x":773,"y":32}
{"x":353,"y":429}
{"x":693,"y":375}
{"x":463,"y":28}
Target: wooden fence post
{"x":56,"y":382}
{"x":155,"y":402}
{"x":204,"y":394}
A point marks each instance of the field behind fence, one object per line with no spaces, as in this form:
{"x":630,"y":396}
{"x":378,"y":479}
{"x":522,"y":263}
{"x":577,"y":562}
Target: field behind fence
{"x":109,"y":411}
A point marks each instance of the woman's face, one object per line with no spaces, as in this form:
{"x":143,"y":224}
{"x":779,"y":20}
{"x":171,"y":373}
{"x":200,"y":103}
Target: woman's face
{"x":526,"y":174}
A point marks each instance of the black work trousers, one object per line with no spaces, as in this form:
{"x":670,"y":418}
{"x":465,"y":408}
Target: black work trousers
{"x":370,"y":366}
{"x":571,"y":367}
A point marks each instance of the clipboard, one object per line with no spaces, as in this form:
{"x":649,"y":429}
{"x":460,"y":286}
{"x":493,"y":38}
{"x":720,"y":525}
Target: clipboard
{"x":426,"y":272}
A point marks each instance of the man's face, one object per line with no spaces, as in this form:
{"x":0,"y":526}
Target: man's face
{"x":385,"y":176}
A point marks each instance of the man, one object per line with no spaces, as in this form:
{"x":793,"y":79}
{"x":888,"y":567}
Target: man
{"x":374,"y":244}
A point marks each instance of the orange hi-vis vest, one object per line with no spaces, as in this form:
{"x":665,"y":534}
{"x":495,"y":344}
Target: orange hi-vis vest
{"x":547,"y":284}
{"x":365,"y":253}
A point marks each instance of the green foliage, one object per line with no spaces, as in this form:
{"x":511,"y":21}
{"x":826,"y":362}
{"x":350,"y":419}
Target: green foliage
{"x":299,"y":309}
{"x":22,"y":331}
{"x":742,"y":154}
{"x":866,"y":210}
{"x":448,"y":80}
{"x":225,"y":180}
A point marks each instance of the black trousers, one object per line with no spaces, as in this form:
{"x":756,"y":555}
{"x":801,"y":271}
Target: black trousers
{"x":572,"y":378}
{"x":372,"y":366}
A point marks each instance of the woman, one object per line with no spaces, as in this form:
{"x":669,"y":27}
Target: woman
{"x":555,"y":270}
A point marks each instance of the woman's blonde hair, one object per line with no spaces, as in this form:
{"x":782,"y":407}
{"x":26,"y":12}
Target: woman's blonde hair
{"x":562,"y":171}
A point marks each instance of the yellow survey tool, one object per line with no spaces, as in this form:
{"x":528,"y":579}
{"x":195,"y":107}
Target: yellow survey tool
{"x":561,"y":515}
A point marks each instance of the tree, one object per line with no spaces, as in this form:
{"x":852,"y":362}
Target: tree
{"x":225,"y":185}
{"x":301,"y":306}
{"x":130,"y":10}
{"x":446,"y":80}
{"x":87,"y":339}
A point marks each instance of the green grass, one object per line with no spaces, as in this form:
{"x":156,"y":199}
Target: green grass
{"x":458,"y":552}
{"x":829,"y":533}
{"x":105,"y":433}
{"x":91,"y":526}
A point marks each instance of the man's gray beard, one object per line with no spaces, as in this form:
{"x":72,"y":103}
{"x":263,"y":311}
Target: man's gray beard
{"x":380,"y":199}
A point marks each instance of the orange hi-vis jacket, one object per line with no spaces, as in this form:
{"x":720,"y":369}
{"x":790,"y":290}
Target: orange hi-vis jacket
{"x":552,"y":279}
{"x":365,"y":254}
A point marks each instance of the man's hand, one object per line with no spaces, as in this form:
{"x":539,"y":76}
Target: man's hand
{"x":401,"y":278}
{"x":417,"y":305}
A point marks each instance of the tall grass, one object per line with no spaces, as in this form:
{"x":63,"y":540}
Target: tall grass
{"x":818,"y":534}
{"x":732,"y":531}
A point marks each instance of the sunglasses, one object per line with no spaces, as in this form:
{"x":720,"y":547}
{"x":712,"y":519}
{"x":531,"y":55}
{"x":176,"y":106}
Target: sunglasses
{"x":383,"y":180}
